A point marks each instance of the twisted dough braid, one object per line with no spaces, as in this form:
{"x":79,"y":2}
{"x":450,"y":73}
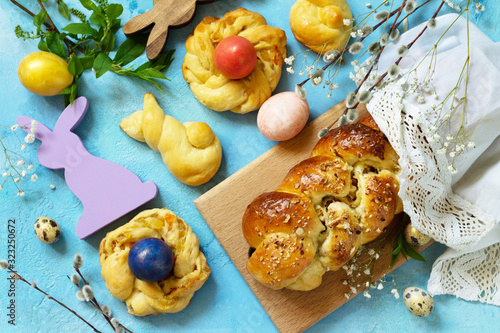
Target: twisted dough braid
{"x":173,"y":293}
{"x":343,"y":196}
{"x":216,"y":91}
{"x":191,"y":151}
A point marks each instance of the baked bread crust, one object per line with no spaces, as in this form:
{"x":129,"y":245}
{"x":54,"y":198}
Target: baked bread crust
{"x":319,"y":24}
{"x":328,"y":205}
{"x":169,"y":295}
{"x":218,"y":92}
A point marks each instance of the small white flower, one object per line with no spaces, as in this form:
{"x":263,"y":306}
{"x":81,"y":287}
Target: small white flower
{"x":301,"y":73}
{"x":452,"y":154}
{"x":368,"y":5}
{"x":317,"y":77}
{"x":449,"y":137}
{"x":16,"y":180}
{"x":309,"y":68}
{"x":353,"y":34}
{"x":34,"y":123}
{"x":20,"y":193}
{"x":380,"y":286}
{"x":34,"y":177}
{"x":452,"y":169}
{"x":471,"y":144}
{"x":300,"y":91}
{"x":23,"y":173}
{"x":1,"y":187}
{"x":329,"y":95}
{"x":20,"y":162}
{"x":52,"y":187}
{"x":5,"y":174}
{"x":441,"y":151}
{"x":30,"y":138}
{"x":457,"y":7}
{"x":289,"y":60}
{"x":290,"y":70}
{"x":33,"y":129}
{"x":30,"y":166}
{"x":347,"y":22}
{"x":14,"y":127}
{"x":23,"y":146}
{"x":333,"y":86}
{"x":367,"y":294}
{"x":421,"y":99}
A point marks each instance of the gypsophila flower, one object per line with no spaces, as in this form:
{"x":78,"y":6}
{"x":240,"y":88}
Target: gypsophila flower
{"x":330,"y":55}
{"x":395,"y":292}
{"x":33,"y":129}
{"x":368,"y":5}
{"x":449,"y":137}
{"x":23,"y":146}
{"x":290,"y":70}
{"x":300,"y":91}
{"x":29,"y":138}
{"x":356,"y":48}
{"x":75,"y":279}
{"x":5,"y":174}
{"x":365,"y":30}
{"x":317,"y":77}
{"x":354,"y":34}
{"x":14,"y":127}
{"x":333,"y":86}
{"x":106,"y":309}
{"x":52,"y":187}
{"x":4,"y":264}
{"x":394,"y":35}
{"x":441,"y":151}
{"x":374,"y":47}
{"x":402,"y":50}
{"x":347,"y":22}
{"x":343,"y":120}
{"x":367,"y":294}
{"x":329,"y":95}
{"x":471,"y":144}
{"x":410,"y":6}
{"x":34,"y":123}
{"x":29,"y":167}
{"x":431,"y":24}
{"x":352,"y":114}
{"x":20,"y":193}
{"x":34,"y":177}
{"x":20,"y":162}
{"x":23,"y":173}
{"x":452,"y":169}
{"x":365,"y":96}
{"x":78,"y":261}
{"x":393,"y":71}
{"x":16,"y":180}
{"x":79,"y":296}
{"x":452,"y":154}
{"x":384,"y":39}
{"x":301,"y":72}
{"x":322,"y":132}
{"x":289,"y":60}
{"x":88,"y":293}
{"x":380,"y":286}
{"x":351,"y":100}
{"x":380,"y":16}
{"x":421,"y":99}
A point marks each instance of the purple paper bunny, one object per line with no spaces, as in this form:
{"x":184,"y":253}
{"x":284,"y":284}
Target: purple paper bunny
{"x":106,"y":190}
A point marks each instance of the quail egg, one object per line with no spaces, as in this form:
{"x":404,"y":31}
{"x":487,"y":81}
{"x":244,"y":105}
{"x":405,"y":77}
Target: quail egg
{"x":418,"y":301}
{"x":47,"y":230}
{"x":414,"y":237}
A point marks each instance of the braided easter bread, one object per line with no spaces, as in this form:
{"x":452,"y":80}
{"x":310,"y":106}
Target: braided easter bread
{"x":218,"y":92}
{"x":169,"y":295}
{"x":343,"y":196}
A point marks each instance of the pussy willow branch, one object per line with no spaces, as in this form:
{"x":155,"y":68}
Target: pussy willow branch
{"x":55,"y":300}
{"x":96,"y":304}
{"x":397,"y":62}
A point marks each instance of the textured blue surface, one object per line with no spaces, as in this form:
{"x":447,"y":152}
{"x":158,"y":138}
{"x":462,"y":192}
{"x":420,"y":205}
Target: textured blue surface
{"x":225,"y":303}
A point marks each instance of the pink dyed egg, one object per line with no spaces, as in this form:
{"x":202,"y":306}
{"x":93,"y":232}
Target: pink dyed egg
{"x":282,"y":116}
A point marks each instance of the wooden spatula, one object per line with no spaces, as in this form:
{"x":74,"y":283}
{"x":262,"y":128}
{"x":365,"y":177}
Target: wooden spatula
{"x":165,"y":14}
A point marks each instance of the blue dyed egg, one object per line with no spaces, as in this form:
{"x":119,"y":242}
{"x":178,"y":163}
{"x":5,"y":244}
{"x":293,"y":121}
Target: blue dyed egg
{"x":150,"y":259}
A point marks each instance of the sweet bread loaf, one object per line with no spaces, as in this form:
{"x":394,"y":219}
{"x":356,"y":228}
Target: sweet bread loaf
{"x":169,"y":295}
{"x":343,"y":196}
{"x":218,"y":92}
{"x":321,"y":25}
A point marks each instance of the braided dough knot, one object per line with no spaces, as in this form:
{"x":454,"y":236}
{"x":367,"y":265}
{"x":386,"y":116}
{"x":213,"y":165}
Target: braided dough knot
{"x":173,"y":293}
{"x":328,"y":205}
{"x":216,"y":91}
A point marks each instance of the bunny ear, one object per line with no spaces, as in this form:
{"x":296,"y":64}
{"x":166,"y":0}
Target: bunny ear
{"x":41,"y":132}
{"x":73,"y":115}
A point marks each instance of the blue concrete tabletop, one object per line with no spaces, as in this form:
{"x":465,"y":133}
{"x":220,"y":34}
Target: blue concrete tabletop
{"x":225,"y":303}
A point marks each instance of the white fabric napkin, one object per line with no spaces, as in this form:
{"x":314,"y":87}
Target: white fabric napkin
{"x":470,"y":269}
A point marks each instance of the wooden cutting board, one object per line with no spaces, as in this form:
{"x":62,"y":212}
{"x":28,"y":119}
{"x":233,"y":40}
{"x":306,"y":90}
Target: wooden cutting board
{"x":223,"y":207}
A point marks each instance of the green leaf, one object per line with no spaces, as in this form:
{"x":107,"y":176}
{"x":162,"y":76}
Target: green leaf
{"x":63,"y":9}
{"x":130,"y":49}
{"x":55,"y":44}
{"x":147,"y":64}
{"x":164,"y":60}
{"x":108,"y":44}
{"x":151,"y":73}
{"x":75,"y":66}
{"x":40,"y":18}
{"x":396,"y":250}
{"x":413,"y":253}
{"x":42,"y":45}
{"x":394,"y":259}
{"x":113,"y":11}
{"x":88,"y":4}
{"x":74,"y":92}
{"x":102,"y":64}
{"x":87,"y":62}
{"x":79,"y":29}
{"x":98,"y":19}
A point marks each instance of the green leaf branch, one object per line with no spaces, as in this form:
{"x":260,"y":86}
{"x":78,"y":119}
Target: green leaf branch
{"x":87,"y":44}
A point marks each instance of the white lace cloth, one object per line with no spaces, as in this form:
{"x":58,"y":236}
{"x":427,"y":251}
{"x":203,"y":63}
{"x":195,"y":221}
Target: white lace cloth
{"x":465,"y":218}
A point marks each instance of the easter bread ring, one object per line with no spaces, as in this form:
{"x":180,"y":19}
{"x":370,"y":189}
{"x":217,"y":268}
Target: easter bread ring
{"x":321,"y":25}
{"x":169,"y":295}
{"x":218,"y":92}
